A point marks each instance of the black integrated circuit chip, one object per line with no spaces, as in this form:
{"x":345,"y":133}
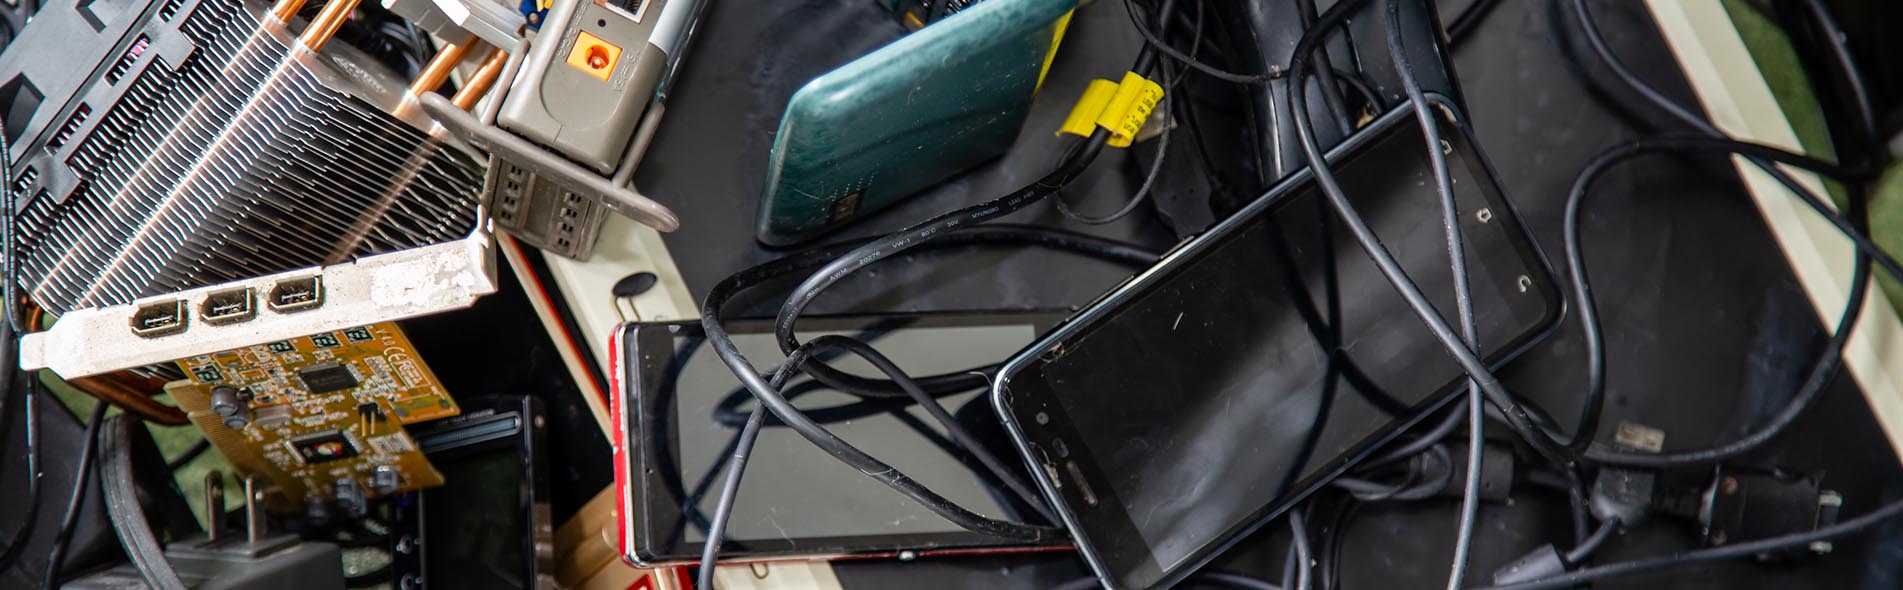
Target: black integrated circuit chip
{"x":327,"y":377}
{"x":324,"y":447}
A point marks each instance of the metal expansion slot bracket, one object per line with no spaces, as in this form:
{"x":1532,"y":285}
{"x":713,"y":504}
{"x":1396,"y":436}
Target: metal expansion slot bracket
{"x":271,"y":308}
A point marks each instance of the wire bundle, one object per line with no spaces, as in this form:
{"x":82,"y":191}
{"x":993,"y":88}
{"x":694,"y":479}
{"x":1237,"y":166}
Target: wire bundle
{"x":1580,"y":450}
{"x":1569,"y":455}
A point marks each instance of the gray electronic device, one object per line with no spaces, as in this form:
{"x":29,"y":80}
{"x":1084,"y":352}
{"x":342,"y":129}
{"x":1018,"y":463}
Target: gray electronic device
{"x":587,"y":79}
{"x":592,"y":89}
{"x":299,"y":565}
{"x":542,"y":212}
{"x":233,"y":560}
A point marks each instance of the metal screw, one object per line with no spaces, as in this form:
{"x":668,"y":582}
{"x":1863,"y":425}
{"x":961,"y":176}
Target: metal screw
{"x":1728,"y":486}
{"x":1484,"y":215}
{"x":1043,"y":418}
{"x":1718,"y":538}
{"x":1525,"y":282}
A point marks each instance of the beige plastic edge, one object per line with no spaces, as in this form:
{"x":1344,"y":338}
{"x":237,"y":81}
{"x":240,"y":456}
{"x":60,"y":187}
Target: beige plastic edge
{"x":622,"y":248}
{"x":1733,"y":91}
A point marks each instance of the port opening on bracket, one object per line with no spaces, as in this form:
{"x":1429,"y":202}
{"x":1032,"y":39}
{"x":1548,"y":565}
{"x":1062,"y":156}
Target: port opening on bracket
{"x":229,"y":306}
{"x":297,"y":294}
{"x":159,"y":318}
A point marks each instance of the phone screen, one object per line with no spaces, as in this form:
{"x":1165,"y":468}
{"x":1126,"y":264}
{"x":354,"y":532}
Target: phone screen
{"x":475,"y":527}
{"x":795,"y":498}
{"x":1181,"y":411}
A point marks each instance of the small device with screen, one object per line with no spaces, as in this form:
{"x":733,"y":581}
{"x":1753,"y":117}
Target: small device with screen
{"x":490,"y":527}
{"x":679,"y":411}
{"x":585,"y":85}
{"x":908,"y":116}
{"x":1192,"y":404}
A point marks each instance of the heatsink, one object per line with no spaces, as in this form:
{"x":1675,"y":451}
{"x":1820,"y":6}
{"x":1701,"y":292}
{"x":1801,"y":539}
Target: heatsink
{"x":201,"y":148}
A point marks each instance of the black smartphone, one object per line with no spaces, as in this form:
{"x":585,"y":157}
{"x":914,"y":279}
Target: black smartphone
{"x":680,"y":411}
{"x":1191,"y":404}
{"x":488,"y":527}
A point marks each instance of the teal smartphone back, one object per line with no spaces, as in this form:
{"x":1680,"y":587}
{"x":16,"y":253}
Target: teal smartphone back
{"x":908,"y":116}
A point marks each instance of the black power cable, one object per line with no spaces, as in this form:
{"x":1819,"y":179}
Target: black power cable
{"x":9,"y":273}
{"x":1853,"y":76}
{"x":82,"y":475}
{"x":1324,"y":73}
{"x":119,"y":488}
{"x":1333,"y":535}
{"x":1414,"y":487}
{"x":30,"y":394}
{"x":750,"y":434}
{"x":1584,"y":550}
{"x":1821,"y":374}
{"x":769,"y":396}
{"x":1214,"y":580}
{"x":1731,"y":551}
{"x":1170,"y":79}
{"x":1463,"y":293}
{"x":1297,"y":570}
{"x":1761,"y":156}
{"x":1468,"y":20}
{"x":737,"y":467}
{"x":1587,"y":545}
{"x":1107,"y":250}
{"x":1658,"y":99}
{"x":806,"y":261}
{"x":1516,"y":415}
{"x":188,"y":455}
{"x":1073,"y":165}
{"x":953,"y":428}
{"x":1157,"y":43}
{"x":1828,"y":361}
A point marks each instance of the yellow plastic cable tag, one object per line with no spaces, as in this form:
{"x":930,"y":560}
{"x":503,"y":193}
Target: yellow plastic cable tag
{"x":1083,"y":117}
{"x":1129,"y":109}
{"x":1120,"y":108}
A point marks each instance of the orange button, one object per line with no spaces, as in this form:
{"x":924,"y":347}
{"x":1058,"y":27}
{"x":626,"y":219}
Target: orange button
{"x":595,"y":56}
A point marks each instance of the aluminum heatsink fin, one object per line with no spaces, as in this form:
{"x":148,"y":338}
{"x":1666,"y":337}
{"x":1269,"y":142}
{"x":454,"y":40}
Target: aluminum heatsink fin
{"x":202,"y":149}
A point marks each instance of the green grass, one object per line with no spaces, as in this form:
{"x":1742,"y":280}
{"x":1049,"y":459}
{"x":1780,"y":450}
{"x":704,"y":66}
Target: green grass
{"x":172,"y":440}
